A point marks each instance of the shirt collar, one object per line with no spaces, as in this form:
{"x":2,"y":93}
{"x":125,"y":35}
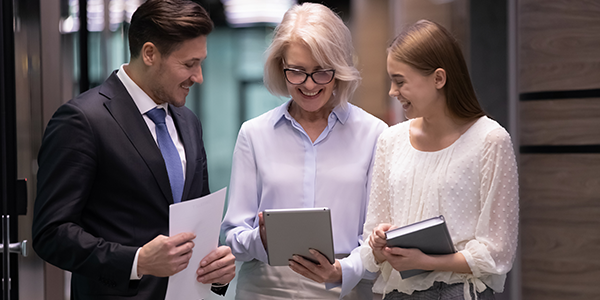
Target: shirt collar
{"x":143,"y":102}
{"x":340,"y":112}
{"x":281,"y":112}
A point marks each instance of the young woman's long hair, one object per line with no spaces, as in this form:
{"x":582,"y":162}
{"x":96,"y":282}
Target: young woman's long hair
{"x":428,"y":46}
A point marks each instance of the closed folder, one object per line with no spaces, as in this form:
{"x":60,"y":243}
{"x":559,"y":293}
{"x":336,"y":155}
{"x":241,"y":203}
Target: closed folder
{"x":431,"y":236}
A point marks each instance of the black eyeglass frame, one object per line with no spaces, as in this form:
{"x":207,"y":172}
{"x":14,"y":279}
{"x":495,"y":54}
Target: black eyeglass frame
{"x":308,"y":75}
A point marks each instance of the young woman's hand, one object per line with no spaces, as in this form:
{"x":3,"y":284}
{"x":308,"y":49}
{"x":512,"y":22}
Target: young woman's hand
{"x":403,"y":259}
{"x":378,"y":242}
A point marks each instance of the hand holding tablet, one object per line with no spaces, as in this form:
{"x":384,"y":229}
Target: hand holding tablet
{"x":296,"y":231}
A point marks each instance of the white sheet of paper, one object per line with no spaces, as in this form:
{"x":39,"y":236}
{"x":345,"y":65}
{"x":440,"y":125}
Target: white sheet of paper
{"x":202,"y":217}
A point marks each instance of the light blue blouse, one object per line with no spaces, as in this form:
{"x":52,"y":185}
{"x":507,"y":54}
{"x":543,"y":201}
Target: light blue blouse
{"x":276,"y":165}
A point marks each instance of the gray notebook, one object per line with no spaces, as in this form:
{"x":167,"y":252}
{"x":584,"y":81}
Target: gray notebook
{"x":430,"y":236}
{"x":295,"y":231}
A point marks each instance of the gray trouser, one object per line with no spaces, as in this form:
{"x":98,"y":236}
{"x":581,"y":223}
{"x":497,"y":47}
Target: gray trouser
{"x":441,"y":291}
{"x":259,"y":281}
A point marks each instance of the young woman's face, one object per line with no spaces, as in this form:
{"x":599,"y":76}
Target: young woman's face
{"x":416,"y":92}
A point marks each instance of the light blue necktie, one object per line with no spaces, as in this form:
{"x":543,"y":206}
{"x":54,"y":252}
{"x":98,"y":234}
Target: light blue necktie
{"x":169,"y":152}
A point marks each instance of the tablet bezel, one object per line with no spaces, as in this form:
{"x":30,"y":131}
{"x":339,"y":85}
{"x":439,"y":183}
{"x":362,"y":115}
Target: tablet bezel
{"x":295,"y":231}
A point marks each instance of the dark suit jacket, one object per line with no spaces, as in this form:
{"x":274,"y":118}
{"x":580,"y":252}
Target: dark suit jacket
{"x":103,"y":191}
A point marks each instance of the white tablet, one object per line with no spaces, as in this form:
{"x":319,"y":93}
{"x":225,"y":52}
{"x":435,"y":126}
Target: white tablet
{"x":295,"y":231}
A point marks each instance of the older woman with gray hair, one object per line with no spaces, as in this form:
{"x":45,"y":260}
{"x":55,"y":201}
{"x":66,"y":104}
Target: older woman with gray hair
{"x":315,"y":150}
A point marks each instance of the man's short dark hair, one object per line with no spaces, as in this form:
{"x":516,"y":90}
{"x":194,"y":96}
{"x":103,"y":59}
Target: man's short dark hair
{"x":167,"y":24}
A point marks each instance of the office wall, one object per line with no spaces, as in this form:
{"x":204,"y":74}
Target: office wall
{"x":559,"y":86}
{"x":374,"y":25}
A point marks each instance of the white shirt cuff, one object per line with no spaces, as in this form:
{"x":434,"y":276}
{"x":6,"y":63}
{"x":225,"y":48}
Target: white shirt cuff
{"x":134,"y":274}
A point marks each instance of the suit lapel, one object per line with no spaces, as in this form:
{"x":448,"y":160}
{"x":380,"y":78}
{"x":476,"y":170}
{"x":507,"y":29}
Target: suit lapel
{"x":190,"y":150}
{"x":126,"y":114}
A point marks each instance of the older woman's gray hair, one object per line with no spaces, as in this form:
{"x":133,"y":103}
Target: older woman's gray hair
{"x":329,"y":40}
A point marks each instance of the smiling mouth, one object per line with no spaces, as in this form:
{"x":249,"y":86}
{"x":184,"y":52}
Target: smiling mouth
{"x":309,"y":94}
{"x":186,"y":86}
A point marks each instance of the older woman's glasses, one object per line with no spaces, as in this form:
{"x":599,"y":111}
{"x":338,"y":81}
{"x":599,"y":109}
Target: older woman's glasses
{"x":295,"y":76}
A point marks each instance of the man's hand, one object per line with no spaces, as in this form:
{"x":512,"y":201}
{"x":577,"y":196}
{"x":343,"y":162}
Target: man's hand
{"x":217,"y":267}
{"x":165,"y":256}
{"x":322,"y":272}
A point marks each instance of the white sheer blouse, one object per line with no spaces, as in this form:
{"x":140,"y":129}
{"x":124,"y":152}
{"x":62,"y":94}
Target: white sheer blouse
{"x":473,"y":183}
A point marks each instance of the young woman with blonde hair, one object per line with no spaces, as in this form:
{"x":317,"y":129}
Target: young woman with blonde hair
{"x":448,"y":159}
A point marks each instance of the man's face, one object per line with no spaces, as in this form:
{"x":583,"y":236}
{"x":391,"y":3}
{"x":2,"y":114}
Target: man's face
{"x":172,"y":76}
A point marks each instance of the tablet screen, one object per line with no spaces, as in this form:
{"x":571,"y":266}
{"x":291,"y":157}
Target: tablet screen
{"x":295,"y":231}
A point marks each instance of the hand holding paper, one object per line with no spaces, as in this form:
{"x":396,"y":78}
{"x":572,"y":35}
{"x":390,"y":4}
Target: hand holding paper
{"x":165,"y":256}
{"x":201,"y":217}
{"x":217,"y":267}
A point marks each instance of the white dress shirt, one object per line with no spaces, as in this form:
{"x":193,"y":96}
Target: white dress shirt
{"x":276,"y":165}
{"x":144,"y":103}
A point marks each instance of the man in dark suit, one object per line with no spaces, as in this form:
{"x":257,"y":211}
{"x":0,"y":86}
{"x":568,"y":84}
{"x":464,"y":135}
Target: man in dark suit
{"x":109,"y":169}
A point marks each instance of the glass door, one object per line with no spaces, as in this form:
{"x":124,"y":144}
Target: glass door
{"x":9,"y":186}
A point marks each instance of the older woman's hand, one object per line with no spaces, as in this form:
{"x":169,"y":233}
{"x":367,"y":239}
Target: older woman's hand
{"x":378,"y":241}
{"x":322,"y":272}
{"x":262,"y":229}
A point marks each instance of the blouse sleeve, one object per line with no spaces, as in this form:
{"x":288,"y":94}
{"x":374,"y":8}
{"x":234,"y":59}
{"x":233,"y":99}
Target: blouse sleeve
{"x":240,"y":225}
{"x":352,"y":266}
{"x":379,"y":209}
{"x":494,"y":247}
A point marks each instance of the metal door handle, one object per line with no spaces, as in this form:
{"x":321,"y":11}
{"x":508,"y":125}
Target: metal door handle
{"x":20,"y":248}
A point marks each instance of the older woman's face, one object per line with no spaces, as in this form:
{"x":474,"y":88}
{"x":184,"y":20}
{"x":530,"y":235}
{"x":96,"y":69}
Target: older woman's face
{"x":309,"y":96}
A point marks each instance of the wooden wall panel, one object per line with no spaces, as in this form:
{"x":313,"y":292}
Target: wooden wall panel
{"x":453,"y":15}
{"x":560,"y":122}
{"x":371,"y":33}
{"x":552,"y":266}
{"x":559,"y":42}
{"x":560,"y":226}
{"x":559,"y":80}
{"x":560,"y":188}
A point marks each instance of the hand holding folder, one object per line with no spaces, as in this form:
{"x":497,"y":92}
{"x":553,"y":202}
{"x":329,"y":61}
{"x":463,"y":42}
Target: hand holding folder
{"x":430,"y":236}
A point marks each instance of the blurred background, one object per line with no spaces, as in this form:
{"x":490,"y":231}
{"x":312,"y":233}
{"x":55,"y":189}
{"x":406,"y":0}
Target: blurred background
{"x":535,"y":65}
